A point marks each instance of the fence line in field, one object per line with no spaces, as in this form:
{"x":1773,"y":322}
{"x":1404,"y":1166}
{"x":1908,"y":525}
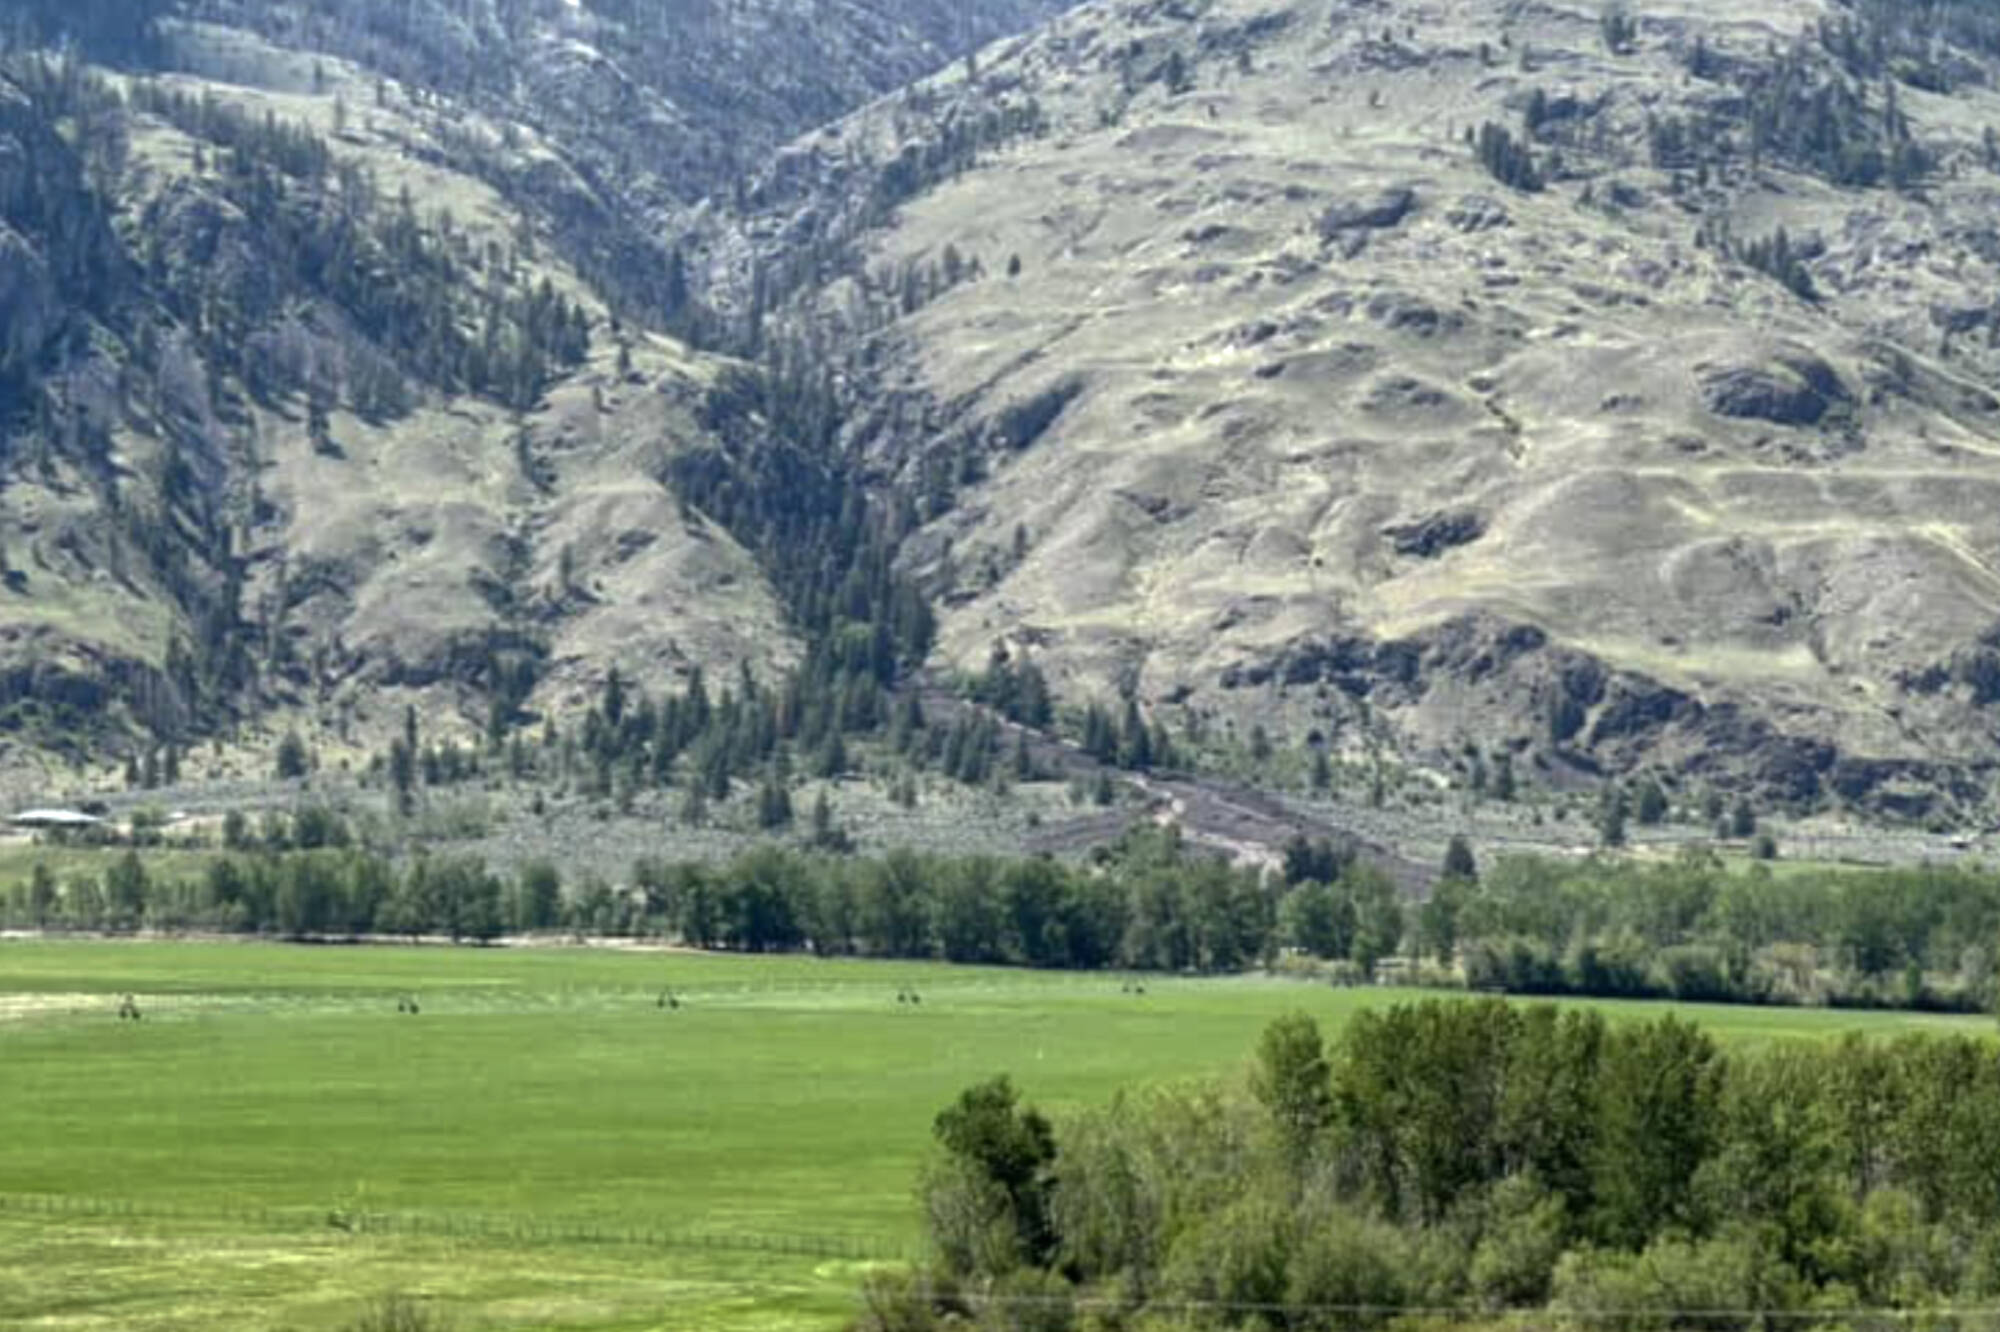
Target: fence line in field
{"x":507,"y":1228}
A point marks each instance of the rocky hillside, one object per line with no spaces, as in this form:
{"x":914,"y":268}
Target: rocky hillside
{"x":647,"y":108}
{"x":344,"y":350}
{"x":281,"y":436}
{"x":1611,"y":384}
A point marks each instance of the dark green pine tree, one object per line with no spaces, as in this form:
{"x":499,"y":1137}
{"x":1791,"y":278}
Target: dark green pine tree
{"x":1135,"y":743}
{"x":774,"y":804}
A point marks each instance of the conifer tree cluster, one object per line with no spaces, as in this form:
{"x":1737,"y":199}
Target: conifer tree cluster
{"x":1832,"y":108}
{"x":274,"y":272}
{"x":779,"y":483}
{"x":1911,"y":40}
{"x":1127,"y":741}
{"x":710,"y":745}
{"x":116,"y":32}
{"x":1507,"y":159}
{"x":1778,"y":257}
{"x":426,"y":301}
{"x":1014,"y":687}
{"x":461,"y":317}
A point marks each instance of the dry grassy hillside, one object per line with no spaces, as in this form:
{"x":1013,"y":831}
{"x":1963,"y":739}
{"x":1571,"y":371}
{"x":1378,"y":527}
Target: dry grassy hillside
{"x":345,"y":348}
{"x":1272,"y":400}
{"x":217,"y":456}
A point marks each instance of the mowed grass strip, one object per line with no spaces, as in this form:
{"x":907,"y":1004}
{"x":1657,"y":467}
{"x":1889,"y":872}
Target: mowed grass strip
{"x":196,"y":1275}
{"x":728,"y":1147}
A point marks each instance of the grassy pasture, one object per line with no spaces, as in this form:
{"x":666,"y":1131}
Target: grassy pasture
{"x":543,"y":1146}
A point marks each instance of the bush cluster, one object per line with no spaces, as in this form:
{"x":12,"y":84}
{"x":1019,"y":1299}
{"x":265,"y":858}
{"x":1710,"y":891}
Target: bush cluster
{"x":1490,"y":1160}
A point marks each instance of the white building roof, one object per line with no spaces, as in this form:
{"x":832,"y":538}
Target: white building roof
{"x":55,"y":818}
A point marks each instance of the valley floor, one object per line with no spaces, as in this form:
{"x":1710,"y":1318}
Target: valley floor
{"x":543,"y":1145}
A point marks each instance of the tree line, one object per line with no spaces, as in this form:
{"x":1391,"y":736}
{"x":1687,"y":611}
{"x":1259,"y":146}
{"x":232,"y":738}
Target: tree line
{"x":1692,"y":930}
{"x":1924,"y":937}
{"x":1146,"y":905}
{"x":1483,"y":1163}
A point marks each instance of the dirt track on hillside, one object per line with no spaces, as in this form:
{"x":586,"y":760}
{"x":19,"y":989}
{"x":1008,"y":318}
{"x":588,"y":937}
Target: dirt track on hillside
{"x":1245,"y":824}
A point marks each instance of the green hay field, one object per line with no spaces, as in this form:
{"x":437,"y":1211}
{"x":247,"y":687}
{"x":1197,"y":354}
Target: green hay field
{"x":543,"y":1146}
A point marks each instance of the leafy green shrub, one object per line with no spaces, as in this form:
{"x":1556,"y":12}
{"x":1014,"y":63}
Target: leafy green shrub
{"x":1523,"y":1239}
{"x":1346,"y":1265}
{"x":1240,"y":1254}
{"x":1694,"y":972}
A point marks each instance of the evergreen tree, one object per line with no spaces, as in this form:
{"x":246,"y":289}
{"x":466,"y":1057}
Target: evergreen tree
{"x":614,"y":697}
{"x":403,"y":773}
{"x":1100,"y":734}
{"x":1652,"y":804}
{"x":293,"y":761}
{"x":1458,"y":860}
{"x":826,"y":834}
{"x":774,"y":804}
{"x":1135,"y":745}
{"x":1618,"y":28}
{"x":1742,"y":820}
{"x":833,"y":760}
{"x":1260,"y":745}
{"x":1611,"y":815}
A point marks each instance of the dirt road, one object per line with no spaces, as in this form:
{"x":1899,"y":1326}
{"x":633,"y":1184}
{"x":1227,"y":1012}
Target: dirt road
{"x":1245,"y":824}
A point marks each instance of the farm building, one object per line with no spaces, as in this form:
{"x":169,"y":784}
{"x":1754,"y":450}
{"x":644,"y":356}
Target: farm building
{"x":54,"y":820}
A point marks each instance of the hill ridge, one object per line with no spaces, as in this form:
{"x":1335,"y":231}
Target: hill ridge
{"x":1346,"y":331}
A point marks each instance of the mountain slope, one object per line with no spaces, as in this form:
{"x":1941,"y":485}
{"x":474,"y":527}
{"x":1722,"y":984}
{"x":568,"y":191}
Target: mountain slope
{"x":279,"y":435}
{"x":1608,"y":385}
{"x":327,"y":378}
{"x":1612,"y":386}
{"x":648,"y":108}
